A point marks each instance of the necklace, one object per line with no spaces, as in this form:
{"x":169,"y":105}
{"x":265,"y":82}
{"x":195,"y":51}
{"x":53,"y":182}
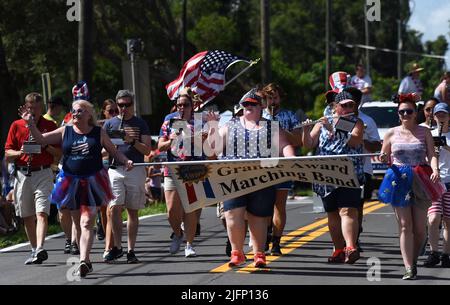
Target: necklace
{"x":253,"y":127}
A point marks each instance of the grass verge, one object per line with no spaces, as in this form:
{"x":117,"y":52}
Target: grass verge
{"x":20,"y":236}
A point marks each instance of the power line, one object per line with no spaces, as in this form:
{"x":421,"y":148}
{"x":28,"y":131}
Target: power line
{"x":361,"y":46}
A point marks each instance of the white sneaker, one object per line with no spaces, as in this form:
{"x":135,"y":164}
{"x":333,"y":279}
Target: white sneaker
{"x":189,"y":251}
{"x":175,"y":244}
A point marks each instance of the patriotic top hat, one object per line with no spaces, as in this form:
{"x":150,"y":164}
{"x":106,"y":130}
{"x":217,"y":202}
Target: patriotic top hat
{"x":80,"y":91}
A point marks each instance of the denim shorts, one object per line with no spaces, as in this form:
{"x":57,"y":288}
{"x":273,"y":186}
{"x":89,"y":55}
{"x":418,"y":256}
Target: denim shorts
{"x":259,"y":203}
{"x":342,"y":197}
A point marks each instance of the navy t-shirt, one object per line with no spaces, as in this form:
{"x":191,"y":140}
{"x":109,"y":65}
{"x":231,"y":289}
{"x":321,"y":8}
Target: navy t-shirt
{"x":136,"y":128}
{"x":82,"y":152}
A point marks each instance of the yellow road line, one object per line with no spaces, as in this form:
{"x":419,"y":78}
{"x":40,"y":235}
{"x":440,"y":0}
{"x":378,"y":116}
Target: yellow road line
{"x":302,"y":241}
{"x":288,"y":237}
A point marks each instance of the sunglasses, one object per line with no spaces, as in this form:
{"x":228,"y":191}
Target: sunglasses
{"x":246,"y":104}
{"x":113,"y":111}
{"x":183,"y":105}
{"x":406,"y":111}
{"x":348,"y":105}
{"x":78,"y":111}
{"x":124,"y":105}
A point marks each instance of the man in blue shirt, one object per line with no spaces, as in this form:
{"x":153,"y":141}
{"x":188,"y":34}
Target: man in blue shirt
{"x":132,"y":137}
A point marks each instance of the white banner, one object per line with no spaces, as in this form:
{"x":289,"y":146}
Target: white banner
{"x":200,"y":185}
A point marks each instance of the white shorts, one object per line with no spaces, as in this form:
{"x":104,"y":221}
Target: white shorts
{"x":128,"y":187}
{"x":169,"y":184}
{"x":32,"y":194}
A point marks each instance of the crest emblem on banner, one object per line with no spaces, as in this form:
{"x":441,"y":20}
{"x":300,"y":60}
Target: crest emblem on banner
{"x":193,"y":173}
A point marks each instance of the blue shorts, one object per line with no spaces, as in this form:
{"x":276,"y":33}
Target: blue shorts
{"x":284,"y":186}
{"x":259,"y":203}
{"x":342,"y":197}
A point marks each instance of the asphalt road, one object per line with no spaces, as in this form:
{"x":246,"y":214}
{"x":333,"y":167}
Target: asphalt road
{"x":306,"y":246}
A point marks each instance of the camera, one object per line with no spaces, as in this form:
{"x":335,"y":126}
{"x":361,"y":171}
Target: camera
{"x":31,"y":147}
{"x":177,"y":125}
{"x":117,"y":136}
{"x":135,"y":46}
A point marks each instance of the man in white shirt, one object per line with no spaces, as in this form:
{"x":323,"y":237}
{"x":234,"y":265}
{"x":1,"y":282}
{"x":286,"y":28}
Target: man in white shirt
{"x":411,"y":83}
{"x":372,"y":143}
{"x":363,"y":82}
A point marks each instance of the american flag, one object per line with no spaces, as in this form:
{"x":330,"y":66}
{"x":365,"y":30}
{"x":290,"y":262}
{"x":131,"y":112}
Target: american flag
{"x":204,"y":73}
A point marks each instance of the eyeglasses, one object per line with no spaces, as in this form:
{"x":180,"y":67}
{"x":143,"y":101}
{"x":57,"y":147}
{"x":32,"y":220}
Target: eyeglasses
{"x":113,"y":111}
{"x":406,"y":111}
{"x":77,"y":111}
{"x":348,"y":105}
{"x":183,"y":105}
{"x":246,"y":104}
{"x":428,"y":109}
{"x":127,"y":105}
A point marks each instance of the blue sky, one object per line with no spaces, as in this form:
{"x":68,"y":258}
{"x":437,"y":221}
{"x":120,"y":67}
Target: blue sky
{"x":431,"y":18}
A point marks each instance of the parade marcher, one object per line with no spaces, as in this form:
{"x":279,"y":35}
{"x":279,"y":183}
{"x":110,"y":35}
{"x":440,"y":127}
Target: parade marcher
{"x":440,"y":210}
{"x":82,"y":185}
{"x":176,"y":152}
{"x":341,"y":204}
{"x":363,"y":82}
{"x":109,"y":110}
{"x":442,"y":91}
{"x":128,"y":186}
{"x":411,"y":83}
{"x":289,"y":123}
{"x":372,"y":144}
{"x":257,"y":206}
{"x":55,"y":107}
{"x":429,"y":121}
{"x":33,"y":176}
{"x":79,"y":92}
{"x":410,"y":148}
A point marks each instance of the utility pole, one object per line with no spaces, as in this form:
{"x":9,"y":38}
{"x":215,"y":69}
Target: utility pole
{"x":183,"y":32}
{"x":266,"y":72}
{"x":327,"y":41}
{"x":400,"y":42}
{"x":366,"y":28}
{"x":85,"y":41}
{"x":134,"y":48}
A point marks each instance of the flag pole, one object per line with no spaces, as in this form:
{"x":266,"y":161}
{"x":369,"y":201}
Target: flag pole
{"x":252,"y":63}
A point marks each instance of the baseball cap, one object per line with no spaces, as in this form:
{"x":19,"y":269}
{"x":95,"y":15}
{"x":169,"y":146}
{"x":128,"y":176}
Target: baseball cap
{"x":441,"y":107}
{"x":251,"y":97}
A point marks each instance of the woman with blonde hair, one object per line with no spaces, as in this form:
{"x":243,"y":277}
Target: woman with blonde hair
{"x":171,"y":138}
{"x":82,"y":185}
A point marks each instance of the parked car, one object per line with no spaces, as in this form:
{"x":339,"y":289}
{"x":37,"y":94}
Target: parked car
{"x":385,"y":115}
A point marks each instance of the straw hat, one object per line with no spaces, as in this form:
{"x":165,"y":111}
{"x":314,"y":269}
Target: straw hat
{"x":415,"y":68}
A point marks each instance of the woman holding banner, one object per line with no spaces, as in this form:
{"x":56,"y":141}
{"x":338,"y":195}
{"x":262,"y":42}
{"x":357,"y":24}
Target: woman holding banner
{"x":409,"y":178}
{"x":170,"y":140}
{"x":341,"y":204}
{"x":242,"y":138}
